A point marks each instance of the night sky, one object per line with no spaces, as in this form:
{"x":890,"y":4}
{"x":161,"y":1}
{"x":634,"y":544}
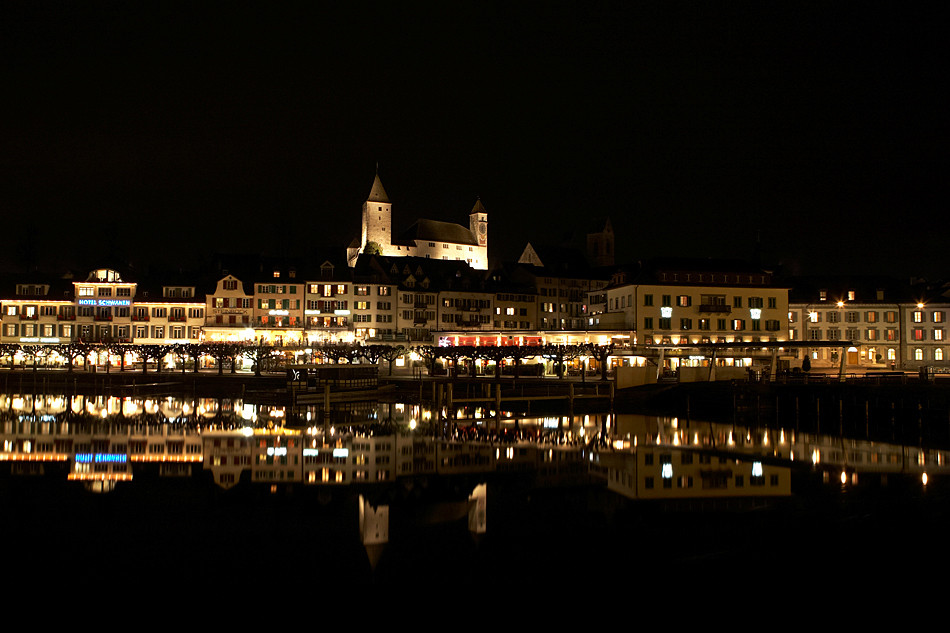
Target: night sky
{"x":169,"y":131}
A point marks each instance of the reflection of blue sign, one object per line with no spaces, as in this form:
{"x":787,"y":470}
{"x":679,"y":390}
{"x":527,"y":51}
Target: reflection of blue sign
{"x":105,"y":303}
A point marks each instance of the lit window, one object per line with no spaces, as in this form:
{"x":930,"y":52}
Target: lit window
{"x":918,"y":353}
{"x":938,"y":353}
{"x":918,"y":316}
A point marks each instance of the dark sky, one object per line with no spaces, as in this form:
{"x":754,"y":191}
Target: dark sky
{"x":172,"y":130}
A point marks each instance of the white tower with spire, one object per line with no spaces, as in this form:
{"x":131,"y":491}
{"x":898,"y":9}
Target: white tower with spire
{"x":377,"y":218}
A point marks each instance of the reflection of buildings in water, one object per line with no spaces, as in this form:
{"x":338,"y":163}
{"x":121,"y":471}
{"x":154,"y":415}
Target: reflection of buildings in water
{"x":657,"y":472}
{"x":105,"y":438}
{"x":667,"y":457}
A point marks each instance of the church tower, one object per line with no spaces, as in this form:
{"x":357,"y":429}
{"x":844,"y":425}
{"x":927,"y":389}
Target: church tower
{"x":600,"y":246}
{"x":377,"y":218}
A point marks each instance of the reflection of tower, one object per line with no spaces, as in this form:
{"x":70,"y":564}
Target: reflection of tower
{"x":377,"y":218}
{"x":478,"y":223}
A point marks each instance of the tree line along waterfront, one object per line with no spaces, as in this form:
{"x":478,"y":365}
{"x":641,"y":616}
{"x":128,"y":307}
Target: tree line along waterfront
{"x":260,"y":357}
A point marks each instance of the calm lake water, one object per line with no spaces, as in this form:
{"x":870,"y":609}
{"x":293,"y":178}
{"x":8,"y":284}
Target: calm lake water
{"x":551,"y":516}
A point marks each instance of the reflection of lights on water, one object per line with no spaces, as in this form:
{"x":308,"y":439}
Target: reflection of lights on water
{"x":781,"y":436}
{"x":247,"y":431}
{"x":844,"y":477}
{"x":756,"y":469}
{"x":731,"y":441}
{"x":412,"y":424}
{"x":923,"y":478}
{"x":815,"y":456}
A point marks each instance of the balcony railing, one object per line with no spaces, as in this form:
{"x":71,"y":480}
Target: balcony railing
{"x":65,"y":317}
{"x":140,"y":317}
{"x":719,"y":308}
{"x":28,"y":317}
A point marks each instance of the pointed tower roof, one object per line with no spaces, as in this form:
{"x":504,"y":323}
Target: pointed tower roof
{"x":479,"y":207}
{"x":377,"y":193}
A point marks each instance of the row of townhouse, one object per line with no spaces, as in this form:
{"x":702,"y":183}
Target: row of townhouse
{"x":379,"y":299}
{"x":880,"y":323}
{"x":101,"y":308}
{"x":887,"y":323}
{"x":665,"y":302}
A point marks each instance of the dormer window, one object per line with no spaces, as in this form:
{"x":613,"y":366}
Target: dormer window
{"x":276,"y":274}
{"x":851,"y":295}
{"x":822,"y":295}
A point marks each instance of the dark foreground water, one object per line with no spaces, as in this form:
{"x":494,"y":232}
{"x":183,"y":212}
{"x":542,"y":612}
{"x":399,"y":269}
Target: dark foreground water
{"x":163,"y":533}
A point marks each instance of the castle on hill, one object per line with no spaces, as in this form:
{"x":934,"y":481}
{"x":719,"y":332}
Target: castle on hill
{"x":425,"y":238}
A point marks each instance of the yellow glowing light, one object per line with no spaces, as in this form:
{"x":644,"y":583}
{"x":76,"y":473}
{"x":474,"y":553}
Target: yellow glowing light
{"x":841,"y":304}
{"x":844,"y":477}
{"x":923,"y":478}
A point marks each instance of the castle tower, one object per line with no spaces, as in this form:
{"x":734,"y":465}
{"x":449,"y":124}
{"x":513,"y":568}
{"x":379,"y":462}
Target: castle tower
{"x":377,"y":218}
{"x":478,"y":223}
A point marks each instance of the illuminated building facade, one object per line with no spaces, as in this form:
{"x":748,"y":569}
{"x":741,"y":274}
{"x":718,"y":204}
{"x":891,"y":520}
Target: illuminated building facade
{"x":229,"y":311}
{"x":875,"y":315}
{"x":925,"y":335}
{"x":279,"y":307}
{"x":173,"y":315}
{"x":692,"y":302}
